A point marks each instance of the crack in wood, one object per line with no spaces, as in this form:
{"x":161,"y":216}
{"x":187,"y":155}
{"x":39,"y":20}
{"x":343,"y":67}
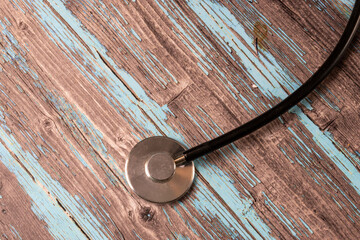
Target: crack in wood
{"x":328,"y":124}
{"x":72,"y":218}
{"x":108,"y":65}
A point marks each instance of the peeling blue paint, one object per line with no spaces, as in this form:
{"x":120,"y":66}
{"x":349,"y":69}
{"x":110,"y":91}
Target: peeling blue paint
{"x":268,"y":74}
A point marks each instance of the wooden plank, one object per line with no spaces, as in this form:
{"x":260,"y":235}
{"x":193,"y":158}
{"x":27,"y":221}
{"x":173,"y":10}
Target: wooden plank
{"x":83,"y":81}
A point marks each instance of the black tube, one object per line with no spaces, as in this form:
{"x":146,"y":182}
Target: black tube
{"x":288,"y":102}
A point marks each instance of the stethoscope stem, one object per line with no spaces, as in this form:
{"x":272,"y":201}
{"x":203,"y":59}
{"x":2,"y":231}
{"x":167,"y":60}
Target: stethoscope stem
{"x":180,"y":161}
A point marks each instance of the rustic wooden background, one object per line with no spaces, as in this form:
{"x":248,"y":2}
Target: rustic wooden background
{"x":83,"y":81}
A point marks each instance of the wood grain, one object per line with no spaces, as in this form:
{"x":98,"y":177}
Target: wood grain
{"x":82,"y":81}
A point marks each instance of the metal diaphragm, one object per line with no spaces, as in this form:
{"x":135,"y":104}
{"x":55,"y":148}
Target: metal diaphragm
{"x":151,"y":171}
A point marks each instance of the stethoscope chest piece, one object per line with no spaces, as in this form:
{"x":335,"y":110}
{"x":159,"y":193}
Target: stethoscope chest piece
{"x":151,"y":171}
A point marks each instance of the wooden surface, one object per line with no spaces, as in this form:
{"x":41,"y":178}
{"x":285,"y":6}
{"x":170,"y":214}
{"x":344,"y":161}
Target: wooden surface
{"x":82,"y":81}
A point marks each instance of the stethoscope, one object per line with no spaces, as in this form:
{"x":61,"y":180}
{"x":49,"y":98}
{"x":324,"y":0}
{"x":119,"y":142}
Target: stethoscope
{"x":160,"y":170}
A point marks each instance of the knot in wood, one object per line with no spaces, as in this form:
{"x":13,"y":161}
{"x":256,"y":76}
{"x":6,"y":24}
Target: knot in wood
{"x":48,"y":124}
{"x":23,"y":26}
{"x":146,"y":214}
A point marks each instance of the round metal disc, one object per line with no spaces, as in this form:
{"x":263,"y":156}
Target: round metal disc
{"x":151,"y":171}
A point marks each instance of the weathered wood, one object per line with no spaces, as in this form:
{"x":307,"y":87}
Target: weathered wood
{"x":83,"y":81}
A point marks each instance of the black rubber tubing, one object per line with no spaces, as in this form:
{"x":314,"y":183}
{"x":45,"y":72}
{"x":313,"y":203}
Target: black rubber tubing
{"x":287,"y":103}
